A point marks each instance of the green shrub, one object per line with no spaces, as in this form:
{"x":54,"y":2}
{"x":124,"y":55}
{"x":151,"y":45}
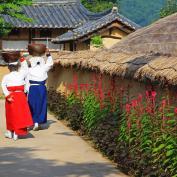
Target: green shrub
{"x":92,"y":113}
{"x":105,"y":134}
{"x":97,"y":41}
{"x":74,"y":112}
{"x":57,"y":104}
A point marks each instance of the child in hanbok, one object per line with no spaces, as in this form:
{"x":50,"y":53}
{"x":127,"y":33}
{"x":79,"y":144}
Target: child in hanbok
{"x":18,"y":115}
{"x":37,"y":92}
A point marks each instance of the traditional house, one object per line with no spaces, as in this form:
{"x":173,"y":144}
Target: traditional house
{"x":111,"y":27}
{"x":52,"y":18}
{"x":148,"y":55}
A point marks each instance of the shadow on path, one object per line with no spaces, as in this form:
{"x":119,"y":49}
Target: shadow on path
{"x":66,"y":134}
{"x":21,"y":162}
{"x":47,"y":125}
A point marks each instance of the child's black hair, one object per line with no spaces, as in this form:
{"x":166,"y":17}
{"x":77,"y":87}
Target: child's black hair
{"x":14,"y":67}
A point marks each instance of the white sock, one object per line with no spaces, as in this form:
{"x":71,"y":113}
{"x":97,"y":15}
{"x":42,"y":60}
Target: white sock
{"x":8,"y":134}
{"x":36,"y":125}
{"x":15,"y":136}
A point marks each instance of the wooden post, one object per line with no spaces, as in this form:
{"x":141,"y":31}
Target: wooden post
{"x":30,"y":36}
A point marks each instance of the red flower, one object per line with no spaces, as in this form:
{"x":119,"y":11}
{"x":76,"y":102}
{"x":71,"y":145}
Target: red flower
{"x":175,"y":110}
{"x":109,"y":93}
{"x":153,"y":93}
{"x":149,"y":110}
{"x":81,"y":86}
{"x":128,"y":108}
{"x":134,"y":103}
{"x":147,"y":94}
{"x":129,"y":125}
{"x":75,"y":84}
{"x":140,"y":98}
{"x":87,"y":87}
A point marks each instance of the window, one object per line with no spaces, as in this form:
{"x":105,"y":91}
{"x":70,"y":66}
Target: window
{"x":44,"y":33}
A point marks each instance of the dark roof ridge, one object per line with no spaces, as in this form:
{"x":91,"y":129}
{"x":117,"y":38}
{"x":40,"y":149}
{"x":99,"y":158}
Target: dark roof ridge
{"x":94,"y":25}
{"x":90,"y":15}
{"x":60,"y":15}
{"x":94,"y":14}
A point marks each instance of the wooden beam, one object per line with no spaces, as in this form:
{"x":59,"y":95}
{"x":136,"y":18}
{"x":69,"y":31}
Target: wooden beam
{"x":113,"y":37}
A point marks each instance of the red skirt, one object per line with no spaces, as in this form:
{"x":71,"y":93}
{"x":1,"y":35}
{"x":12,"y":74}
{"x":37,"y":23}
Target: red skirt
{"x":18,"y":115}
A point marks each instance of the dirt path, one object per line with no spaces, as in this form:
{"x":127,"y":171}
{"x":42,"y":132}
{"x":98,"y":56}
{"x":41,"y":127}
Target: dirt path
{"x":53,"y":152}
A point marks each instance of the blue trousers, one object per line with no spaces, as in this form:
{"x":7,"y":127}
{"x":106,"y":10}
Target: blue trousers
{"x":37,"y":99}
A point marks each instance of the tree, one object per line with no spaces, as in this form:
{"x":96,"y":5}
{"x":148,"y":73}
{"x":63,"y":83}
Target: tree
{"x":143,"y":12}
{"x":98,"y":5}
{"x":170,"y":8}
{"x":13,"y":8}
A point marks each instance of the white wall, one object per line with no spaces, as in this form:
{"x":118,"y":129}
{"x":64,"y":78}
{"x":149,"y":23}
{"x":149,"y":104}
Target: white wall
{"x":11,"y":45}
{"x":22,"y":45}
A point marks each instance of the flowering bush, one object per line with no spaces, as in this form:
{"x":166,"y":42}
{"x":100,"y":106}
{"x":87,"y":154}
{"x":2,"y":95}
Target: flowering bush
{"x":140,"y":134}
{"x":148,"y":132}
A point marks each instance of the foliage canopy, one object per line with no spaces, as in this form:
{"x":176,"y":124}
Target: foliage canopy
{"x":142,"y":12}
{"x":97,"y":41}
{"x":12,"y":8}
{"x":98,"y":5}
{"x":169,"y":8}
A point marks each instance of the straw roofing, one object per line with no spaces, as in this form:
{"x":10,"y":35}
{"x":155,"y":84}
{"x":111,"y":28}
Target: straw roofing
{"x":150,"y":53}
{"x":160,"y":37}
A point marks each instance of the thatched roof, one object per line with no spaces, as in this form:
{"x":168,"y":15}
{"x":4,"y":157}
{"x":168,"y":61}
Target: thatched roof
{"x":137,"y":66}
{"x":150,"y":53}
{"x":160,"y":37}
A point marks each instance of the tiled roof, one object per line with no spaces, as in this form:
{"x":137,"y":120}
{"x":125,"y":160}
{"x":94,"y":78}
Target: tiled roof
{"x":53,"y":1}
{"x":94,"y":25}
{"x":63,"y":14}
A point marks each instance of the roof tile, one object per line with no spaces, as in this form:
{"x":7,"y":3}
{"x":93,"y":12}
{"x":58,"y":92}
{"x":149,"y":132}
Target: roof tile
{"x":60,"y":15}
{"x":93,"y":25}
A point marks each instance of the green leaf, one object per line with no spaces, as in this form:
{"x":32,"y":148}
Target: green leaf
{"x":159,"y":148}
{"x":170,"y":153}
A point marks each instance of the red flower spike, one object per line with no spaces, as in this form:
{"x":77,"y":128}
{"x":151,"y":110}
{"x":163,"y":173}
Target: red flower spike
{"x":129,"y":125}
{"x":75,"y":83}
{"x":147,"y":94}
{"x":175,"y":110}
{"x":128,"y":108}
{"x":153,"y":93}
{"x":134,"y":103}
{"x":140,"y":98}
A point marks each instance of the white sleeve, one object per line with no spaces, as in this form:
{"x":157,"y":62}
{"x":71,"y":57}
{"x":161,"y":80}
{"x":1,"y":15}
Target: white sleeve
{"x":49,"y":63}
{"x":27,"y":84}
{"x":4,"y":87}
{"x":24,"y":68}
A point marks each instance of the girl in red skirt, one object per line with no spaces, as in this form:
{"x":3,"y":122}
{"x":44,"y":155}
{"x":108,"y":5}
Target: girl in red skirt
{"x":18,"y":116}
